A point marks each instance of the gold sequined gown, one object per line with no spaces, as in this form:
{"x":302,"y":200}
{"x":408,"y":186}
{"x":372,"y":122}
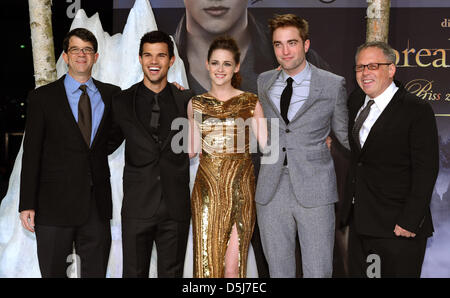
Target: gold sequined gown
{"x":224,"y":188}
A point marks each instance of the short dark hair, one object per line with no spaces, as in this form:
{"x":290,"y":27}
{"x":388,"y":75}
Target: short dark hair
{"x":156,"y":37}
{"x":82,"y":34}
{"x":286,"y":20}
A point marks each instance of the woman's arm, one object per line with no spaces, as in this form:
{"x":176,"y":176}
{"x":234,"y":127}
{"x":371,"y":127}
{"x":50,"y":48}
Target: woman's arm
{"x":194,"y":133}
{"x":259,"y":126}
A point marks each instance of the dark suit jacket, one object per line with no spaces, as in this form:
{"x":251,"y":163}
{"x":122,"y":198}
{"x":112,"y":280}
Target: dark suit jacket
{"x":393,"y":176}
{"x":151,"y":170}
{"x":58,"y":168}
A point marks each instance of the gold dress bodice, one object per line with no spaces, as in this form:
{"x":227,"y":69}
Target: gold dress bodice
{"x":224,"y":188}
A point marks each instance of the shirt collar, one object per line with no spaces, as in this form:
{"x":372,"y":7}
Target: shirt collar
{"x":382,"y":100}
{"x":300,"y":77}
{"x":150,"y":92}
{"x":73,"y":85}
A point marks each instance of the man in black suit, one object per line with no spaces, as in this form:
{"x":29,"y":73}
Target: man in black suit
{"x":394,"y":166}
{"x":156,"y":205}
{"x":65,"y":192}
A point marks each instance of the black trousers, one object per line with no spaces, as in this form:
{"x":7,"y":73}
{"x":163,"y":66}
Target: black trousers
{"x":170,"y":237}
{"x":92,"y":242}
{"x":398,"y":257}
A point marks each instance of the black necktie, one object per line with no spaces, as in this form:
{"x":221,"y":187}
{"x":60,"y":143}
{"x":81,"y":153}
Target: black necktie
{"x":286,"y":100}
{"x":85,"y":116}
{"x":359,"y":122}
{"x":154,"y":120}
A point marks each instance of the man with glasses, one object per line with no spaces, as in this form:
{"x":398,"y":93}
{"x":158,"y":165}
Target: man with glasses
{"x":394,"y":166}
{"x":65,"y":192}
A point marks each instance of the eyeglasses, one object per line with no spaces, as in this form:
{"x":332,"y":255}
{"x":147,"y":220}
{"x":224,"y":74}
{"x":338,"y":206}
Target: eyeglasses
{"x":86,"y":51}
{"x":370,"y":66}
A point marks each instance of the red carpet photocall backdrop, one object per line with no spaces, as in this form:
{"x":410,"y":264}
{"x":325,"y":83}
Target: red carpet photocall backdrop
{"x":419,"y":31}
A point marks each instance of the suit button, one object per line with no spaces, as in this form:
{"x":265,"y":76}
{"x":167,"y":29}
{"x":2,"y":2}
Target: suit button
{"x":360,"y":164}
{"x":158,"y":178}
{"x":284,"y":149}
{"x":288,"y":130}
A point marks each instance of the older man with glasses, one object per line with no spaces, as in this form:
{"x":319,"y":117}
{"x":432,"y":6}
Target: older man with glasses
{"x":394,"y":166}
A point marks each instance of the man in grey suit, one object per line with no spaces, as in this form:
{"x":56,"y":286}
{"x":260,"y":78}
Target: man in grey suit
{"x":297,"y":192}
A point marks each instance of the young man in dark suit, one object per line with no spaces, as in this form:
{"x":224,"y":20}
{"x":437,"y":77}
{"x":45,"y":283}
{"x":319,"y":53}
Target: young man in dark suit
{"x":156,"y":205}
{"x":394,"y":166}
{"x":65,"y":193}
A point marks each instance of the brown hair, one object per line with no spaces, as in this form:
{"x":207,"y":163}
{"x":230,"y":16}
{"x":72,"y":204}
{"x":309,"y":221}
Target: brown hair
{"x":229,"y":44}
{"x":290,"y":19}
{"x":83,"y":34}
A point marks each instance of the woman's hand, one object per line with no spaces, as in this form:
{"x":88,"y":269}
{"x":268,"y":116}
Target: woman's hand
{"x":179,"y":87}
{"x":329,"y":141}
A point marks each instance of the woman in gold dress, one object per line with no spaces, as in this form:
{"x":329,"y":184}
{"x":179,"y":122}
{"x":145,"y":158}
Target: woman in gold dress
{"x":223,"y":208}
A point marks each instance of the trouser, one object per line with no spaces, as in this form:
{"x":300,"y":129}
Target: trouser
{"x":279,"y":222}
{"x":92,"y":242}
{"x":170,"y":237}
{"x":384,"y":257}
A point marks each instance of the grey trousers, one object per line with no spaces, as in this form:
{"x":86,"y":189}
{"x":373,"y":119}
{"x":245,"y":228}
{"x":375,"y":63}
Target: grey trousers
{"x":281,"y":219}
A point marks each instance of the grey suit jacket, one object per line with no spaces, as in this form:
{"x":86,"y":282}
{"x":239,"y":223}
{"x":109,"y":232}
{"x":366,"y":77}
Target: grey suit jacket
{"x":311,"y":167}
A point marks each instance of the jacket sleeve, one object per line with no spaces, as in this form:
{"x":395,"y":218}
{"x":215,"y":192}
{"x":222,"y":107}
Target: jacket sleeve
{"x":116,"y":136}
{"x":32,"y":151}
{"x":339,"y":121}
{"x":424,"y":152}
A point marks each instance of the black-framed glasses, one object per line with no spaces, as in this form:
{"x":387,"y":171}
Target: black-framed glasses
{"x":86,"y":51}
{"x":370,"y":66}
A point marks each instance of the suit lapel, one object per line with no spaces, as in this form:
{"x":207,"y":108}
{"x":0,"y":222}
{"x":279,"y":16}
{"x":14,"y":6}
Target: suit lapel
{"x":384,"y":117}
{"x":356,"y":101}
{"x":314,"y":92}
{"x":267,"y":98}
{"x":107,"y":105}
{"x":180,"y":99}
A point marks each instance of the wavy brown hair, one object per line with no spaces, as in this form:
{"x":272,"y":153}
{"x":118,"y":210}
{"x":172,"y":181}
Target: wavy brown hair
{"x":229,"y":44}
{"x":286,"y":20}
{"x":84,"y":35}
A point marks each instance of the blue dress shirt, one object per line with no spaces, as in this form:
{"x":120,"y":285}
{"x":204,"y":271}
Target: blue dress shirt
{"x":97,"y":106}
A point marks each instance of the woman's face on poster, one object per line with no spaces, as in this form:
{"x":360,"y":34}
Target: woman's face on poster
{"x":215,"y":16}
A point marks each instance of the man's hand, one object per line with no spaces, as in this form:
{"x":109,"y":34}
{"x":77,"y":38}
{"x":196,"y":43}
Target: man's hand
{"x":402,"y":232}
{"x":27,"y":219}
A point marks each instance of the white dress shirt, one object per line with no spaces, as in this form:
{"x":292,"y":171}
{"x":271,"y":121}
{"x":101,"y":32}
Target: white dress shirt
{"x":381,"y":101}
